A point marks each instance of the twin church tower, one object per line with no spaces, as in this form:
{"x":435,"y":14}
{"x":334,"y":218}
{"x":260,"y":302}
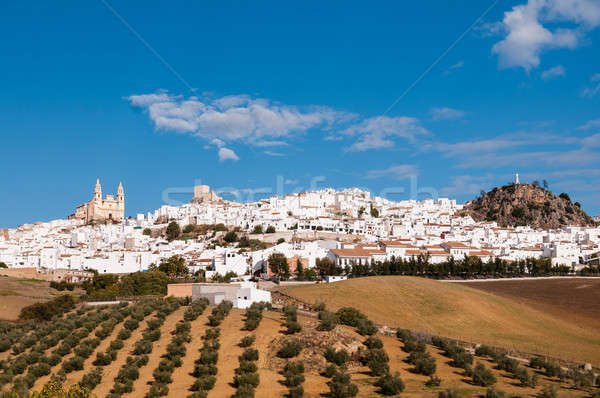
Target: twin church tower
{"x":101,"y":210}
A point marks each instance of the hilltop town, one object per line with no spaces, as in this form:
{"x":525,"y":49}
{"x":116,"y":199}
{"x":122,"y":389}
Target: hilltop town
{"x":217,"y":236}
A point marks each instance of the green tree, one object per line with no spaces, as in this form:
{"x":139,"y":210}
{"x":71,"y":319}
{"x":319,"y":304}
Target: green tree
{"x":3,"y":265}
{"x":299,"y":270}
{"x":257,"y":230}
{"x":230,"y":237}
{"x":270,"y":229}
{"x":147,"y":231}
{"x":374,"y":212}
{"x":173,"y":231}
{"x":174,"y":267}
{"x":279,"y":265}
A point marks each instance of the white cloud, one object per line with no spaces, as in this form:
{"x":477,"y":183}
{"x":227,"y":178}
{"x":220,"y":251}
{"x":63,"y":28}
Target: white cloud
{"x":590,"y":125}
{"x":291,"y":182}
{"x":468,"y":184}
{"x":397,"y":172}
{"x":271,"y":153}
{"x":376,"y":132}
{"x":445,"y":113}
{"x":227,"y":154}
{"x":553,"y":72}
{"x":233,"y":118}
{"x":594,"y":88}
{"x":527,"y":36}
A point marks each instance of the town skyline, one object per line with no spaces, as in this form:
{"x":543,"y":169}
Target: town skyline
{"x":460,"y":97}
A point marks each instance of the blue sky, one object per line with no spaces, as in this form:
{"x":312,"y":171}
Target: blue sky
{"x":279,"y":97}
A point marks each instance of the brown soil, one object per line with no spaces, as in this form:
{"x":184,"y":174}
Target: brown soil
{"x":570,"y":298}
{"x":16,"y":293}
{"x":142,"y":384}
{"x":182,"y":379}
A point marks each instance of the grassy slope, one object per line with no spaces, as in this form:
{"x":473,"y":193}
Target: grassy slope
{"x":459,"y":312}
{"x":16,"y":293}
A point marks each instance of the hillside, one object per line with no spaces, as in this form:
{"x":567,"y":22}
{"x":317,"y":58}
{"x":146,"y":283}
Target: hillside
{"x":16,"y":293}
{"x":527,"y":204}
{"x":165,"y":327}
{"x":457,"y":311}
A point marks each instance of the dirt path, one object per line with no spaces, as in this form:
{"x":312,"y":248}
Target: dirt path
{"x":231,"y":334}
{"x":75,"y":377}
{"x":269,"y":329}
{"x":182,"y":380}
{"x":110,"y":372}
{"x":141,"y":385}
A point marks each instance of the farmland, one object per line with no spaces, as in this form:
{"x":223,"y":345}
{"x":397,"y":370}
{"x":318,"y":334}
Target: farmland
{"x":169,"y":348}
{"x":462,"y":312}
{"x":16,"y":293}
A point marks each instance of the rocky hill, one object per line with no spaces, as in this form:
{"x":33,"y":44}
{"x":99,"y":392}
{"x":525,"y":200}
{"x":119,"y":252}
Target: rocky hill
{"x":527,"y":204}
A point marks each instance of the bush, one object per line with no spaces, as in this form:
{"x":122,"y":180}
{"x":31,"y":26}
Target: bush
{"x":373,"y":342}
{"x":366,"y":327}
{"x":250,"y":379}
{"x":328,"y":320}
{"x":341,"y":387}
{"x":482,"y":376}
{"x":204,"y":383}
{"x":72,"y":364}
{"x":293,"y":380}
{"x":449,"y":393}
{"x":246,"y":367}
{"x":289,"y":349}
{"x":434,"y":381}
{"x":247,"y":341}
{"x":292,"y":327}
{"x":329,"y":371}
{"x":491,"y":393}
{"x":250,"y":354}
{"x":203,"y":370}
{"x":142,"y":347}
{"x":485,"y":351}
{"x":39,"y":370}
{"x":244,"y":391}
{"x":549,"y":392}
{"x":508,"y":364}
{"x":349,"y":316}
{"x":425,"y":365}
{"x":339,"y":357}
{"x":91,"y":379}
{"x":296,"y":392}
{"x":390,"y":385}
{"x":296,"y":367}
{"x":537,"y":363}
{"x":47,"y":310}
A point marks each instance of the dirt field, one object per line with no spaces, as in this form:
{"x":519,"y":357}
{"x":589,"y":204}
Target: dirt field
{"x":17,"y":293}
{"x":569,"y":298}
{"x":460,"y":312}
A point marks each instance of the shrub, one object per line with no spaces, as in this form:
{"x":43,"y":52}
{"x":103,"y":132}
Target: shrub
{"x":250,"y":354}
{"x":537,"y":363}
{"x":349,"y":316}
{"x":390,"y":385}
{"x":434,"y":381}
{"x":247,"y":341}
{"x":131,"y":324}
{"x":208,"y":356}
{"x":102,"y":359}
{"x":91,"y":379}
{"x":492,"y":393}
{"x":251,"y":379}
{"x":508,"y":364}
{"x":296,"y":392}
{"x":292,"y":327}
{"x":328,"y":320}
{"x":296,"y":367}
{"x":330,"y":371}
{"x":246,"y":367}
{"x":341,"y":387}
{"x":338,"y":357}
{"x":414,"y":346}
{"x":47,"y":310}
{"x":366,"y":327}
{"x":39,"y":370}
{"x":449,"y":393}
{"x":482,"y":376}
{"x":549,"y":392}
{"x":373,"y":342}
{"x":202,"y":370}
{"x":293,"y":380}
{"x":142,"y":347}
{"x":124,"y":334}
{"x":204,"y":383}
{"x":244,"y":391}
{"x":425,"y":365}
{"x":72,"y":364}
{"x":289,"y":349}
{"x":162,"y":376}
{"x":485,"y":351}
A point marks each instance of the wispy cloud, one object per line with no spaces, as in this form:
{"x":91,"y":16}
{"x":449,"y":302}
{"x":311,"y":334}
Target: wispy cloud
{"x":271,"y":153}
{"x":594,"y":87}
{"x":445,"y":113}
{"x":227,"y":154}
{"x":553,"y":73}
{"x":540,"y":25}
{"x":590,"y":125}
{"x":396,"y":172}
{"x":377,"y":132}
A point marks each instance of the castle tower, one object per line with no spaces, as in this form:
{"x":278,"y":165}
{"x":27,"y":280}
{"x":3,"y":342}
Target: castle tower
{"x":517,"y":178}
{"x":98,"y":191}
{"x":120,"y":193}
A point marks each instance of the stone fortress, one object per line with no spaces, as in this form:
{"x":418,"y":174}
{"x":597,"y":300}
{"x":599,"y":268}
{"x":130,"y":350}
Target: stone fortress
{"x":102,"y":210}
{"x":203,"y":194}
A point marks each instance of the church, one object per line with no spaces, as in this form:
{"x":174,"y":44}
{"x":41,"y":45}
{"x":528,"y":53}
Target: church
{"x":101,"y":210}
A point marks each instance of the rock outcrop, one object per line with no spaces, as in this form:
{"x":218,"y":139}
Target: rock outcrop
{"x":527,"y":204}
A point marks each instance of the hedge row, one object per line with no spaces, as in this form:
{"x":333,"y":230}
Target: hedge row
{"x":246,"y":377}
{"x":422,"y":361}
{"x":129,"y":372}
{"x":205,"y":367}
{"x":290,"y":313}
{"x":254,"y":315}
{"x":175,"y":350}
{"x":219,"y":313}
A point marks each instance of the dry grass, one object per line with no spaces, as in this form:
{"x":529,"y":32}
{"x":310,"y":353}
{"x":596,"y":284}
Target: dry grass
{"x":459,"y":312}
{"x":18,"y":293}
